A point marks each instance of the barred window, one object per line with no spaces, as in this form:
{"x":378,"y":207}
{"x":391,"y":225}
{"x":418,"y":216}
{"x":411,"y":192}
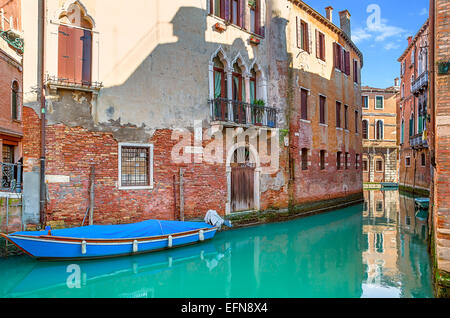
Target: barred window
{"x":135,"y":165}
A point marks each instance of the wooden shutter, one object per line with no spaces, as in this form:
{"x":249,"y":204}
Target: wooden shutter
{"x":242,"y":14}
{"x":227,"y":13}
{"x":347,"y":63}
{"x":304,"y":104}
{"x":317,"y":44}
{"x":307,"y":46}
{"x":258,"y":17}
{"x":322,"y":46}
{"x":78,"y":42}
{"x":65,"y":58}
{"x":335,"y":55}
{"x":322,"y":109}
{"x":338,"y":114}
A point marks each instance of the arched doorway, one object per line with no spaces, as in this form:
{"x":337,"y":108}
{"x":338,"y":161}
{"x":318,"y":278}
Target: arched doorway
{"x":243,"y":173}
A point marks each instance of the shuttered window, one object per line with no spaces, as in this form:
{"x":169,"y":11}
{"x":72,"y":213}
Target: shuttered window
{"x":346,"y":116}
{"x":338,"y":114}
{"x":322,"y":102}
{"x":303,"y":35}
{"x":320,"y":45}
{"x":74,"y":54}
{"x":355,"y":71}
{"x":304,"y":104}
{"x":356,"y":121}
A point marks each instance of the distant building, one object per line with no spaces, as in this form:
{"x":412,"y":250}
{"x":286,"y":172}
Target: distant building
{"x":379,"y":134}
{"x":11,"y":92}
{"x":413,"y":120}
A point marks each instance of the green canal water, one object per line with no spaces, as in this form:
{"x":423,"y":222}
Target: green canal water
{"x":375,"y":249}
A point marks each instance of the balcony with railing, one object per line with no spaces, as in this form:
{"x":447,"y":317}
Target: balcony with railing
{"x":237,"y":113}
{"x":11,"y":177}
{"x":418,"y":141}
{"x":420,"y":83}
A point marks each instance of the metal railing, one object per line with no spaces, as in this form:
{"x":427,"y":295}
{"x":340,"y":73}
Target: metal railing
{"x":420,"y":83}
{"x":11,"y":177}
{"x":237,"y":112}
{"x":417,"y":141}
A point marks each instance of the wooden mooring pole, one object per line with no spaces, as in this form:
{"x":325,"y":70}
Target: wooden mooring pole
{"x":181,"y":194}
{"x":91,"y":195}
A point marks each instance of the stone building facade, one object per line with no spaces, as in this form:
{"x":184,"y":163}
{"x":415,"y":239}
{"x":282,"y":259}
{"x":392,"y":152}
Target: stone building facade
{"x":324,"y":105}
{"x":439,"y":141}
{"x":412,"y":119}
{"x":379,"y":134}
{"x":11,"y":88}
{"x":168,"y":111}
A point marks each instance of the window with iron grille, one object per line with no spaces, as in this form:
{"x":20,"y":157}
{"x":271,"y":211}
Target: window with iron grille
{"x":135,"y":168}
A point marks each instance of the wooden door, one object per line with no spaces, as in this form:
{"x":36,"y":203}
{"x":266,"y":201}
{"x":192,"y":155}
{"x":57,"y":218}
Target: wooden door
{"x":242,"y":187}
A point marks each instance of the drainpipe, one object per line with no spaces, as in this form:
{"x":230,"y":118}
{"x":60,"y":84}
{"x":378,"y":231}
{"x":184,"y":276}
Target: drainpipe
{"x":41,"y":53}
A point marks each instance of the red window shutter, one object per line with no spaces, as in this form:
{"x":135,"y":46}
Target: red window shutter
{"x":347,"y":63}
{"x":308,"y":49}
{"x":335,"y":55}
{"x":65,"y":59}
{"x":322,"y":109}
{"x":242,"y":14}
{"x":227,"y":15}
{"x":211,"y":6}
{"x":322,"y":42}
{"x":338,"y":114}
{"x":317,"y":44}
{"x":304,"y":104}
{"x":258,"y":17}
{"x":78,"y":36}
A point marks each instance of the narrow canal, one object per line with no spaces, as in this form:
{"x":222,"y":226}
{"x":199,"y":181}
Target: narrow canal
{"x":376,"y":249}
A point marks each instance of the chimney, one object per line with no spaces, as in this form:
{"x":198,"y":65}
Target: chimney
{"x":345,"y":22}
{"x":409,"y":40}
{"x":396,"y":82}
{"x":329,"y":11}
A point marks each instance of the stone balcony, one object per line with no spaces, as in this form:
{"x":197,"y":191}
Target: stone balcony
{"x":236,"y":113}
{"x":421,"y":83}
{"x":417,"y":141}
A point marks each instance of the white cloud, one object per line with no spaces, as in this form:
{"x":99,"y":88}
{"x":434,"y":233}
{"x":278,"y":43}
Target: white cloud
{"x":382,"y":30}
{"x":360,"y":34}
{"x":391,"y":46}
{"x":424,"y":11}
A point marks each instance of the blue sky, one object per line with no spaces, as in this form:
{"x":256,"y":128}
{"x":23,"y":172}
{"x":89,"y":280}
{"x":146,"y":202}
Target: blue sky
{"x":380,"y":29}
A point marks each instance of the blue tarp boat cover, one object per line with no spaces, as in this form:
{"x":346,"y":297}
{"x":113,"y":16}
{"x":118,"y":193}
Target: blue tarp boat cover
{"x":124,"y":231}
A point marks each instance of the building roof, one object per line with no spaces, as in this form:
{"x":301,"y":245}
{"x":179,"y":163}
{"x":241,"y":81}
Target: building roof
{"x":414,"y":40}
{"x":329,"y":24}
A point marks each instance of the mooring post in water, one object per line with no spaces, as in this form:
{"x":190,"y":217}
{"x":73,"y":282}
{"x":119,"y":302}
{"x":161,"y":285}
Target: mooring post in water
{"x":181,"y":195}
{"x":91,"y":195}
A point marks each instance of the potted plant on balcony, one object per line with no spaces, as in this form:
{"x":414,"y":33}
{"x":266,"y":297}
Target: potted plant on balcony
{"x":252,"y":3}
{"x":220,"y":27}
{"x":254,"y":40}
{"x":259,"y":111}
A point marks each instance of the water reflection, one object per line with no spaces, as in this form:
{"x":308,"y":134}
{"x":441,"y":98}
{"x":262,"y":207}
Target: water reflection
{"x":373,"y":250}
{"x":395,"y":253}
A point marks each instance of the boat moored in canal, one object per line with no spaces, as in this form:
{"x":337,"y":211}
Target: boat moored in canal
{"x":103,"y":241}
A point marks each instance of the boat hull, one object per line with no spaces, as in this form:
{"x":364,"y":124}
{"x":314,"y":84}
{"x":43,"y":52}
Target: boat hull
{"x":61,"y":248}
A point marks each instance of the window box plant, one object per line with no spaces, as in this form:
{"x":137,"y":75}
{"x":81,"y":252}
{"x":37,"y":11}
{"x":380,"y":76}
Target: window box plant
{"x":220,"y":27}
{"x":254,"y":40}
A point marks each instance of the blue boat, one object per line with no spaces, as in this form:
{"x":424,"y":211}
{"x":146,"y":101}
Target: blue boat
{"x":102,"y":241}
